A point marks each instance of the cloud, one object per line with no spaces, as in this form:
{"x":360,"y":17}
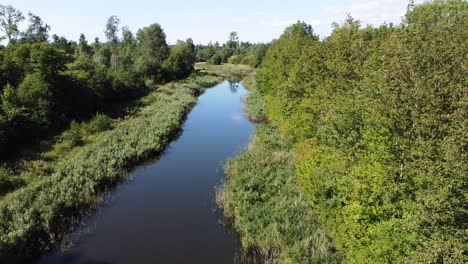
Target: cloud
{"x":315,"y":22}
{"x":259,"y":13}
{"x":236,"y":117}
{"x":277,"y":23}
{"x":374,"y":12}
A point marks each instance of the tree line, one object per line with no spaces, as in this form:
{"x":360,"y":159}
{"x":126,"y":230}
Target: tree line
{"x":233,"y":51}
{"x":47,"y":81}
{"x":378,"y":116}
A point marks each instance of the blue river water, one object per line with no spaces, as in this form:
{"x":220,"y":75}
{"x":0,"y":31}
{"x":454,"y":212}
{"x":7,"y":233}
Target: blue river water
{"x":165,"y":212}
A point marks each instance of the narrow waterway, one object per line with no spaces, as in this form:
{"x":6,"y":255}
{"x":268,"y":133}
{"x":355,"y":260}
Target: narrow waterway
{"x":165,"y":212}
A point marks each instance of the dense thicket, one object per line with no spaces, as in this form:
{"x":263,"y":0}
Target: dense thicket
{"x":379,"y":120}
{"x":45,"y":84}
{"x":233,"y":51}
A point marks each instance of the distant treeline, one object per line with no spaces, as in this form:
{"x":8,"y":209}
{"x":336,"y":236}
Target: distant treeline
{"x":233,"y":51}
{"x":379,"y":118}
{"x":46,"y":82}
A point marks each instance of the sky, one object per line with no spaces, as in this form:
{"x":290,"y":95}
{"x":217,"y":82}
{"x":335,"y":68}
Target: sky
{"x":207,"y":20}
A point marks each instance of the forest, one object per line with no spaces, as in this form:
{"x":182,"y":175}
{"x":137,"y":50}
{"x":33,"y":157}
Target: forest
{"x":377,"y":117}
{"x":359,"y":155}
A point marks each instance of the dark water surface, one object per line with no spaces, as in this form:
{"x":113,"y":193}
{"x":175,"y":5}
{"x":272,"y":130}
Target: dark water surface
{"x":166,"y":212}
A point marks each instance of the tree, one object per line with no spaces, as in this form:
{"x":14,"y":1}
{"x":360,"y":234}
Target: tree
{"x":112,"y":28}
{"x":83,"y":47}
{"x":37,"y":30}
{"x":233,"y":43}
{"x":152,"y":50}
{"x":180,"y":62}
{"x":9,"y":20}
{"x":127,"y":49}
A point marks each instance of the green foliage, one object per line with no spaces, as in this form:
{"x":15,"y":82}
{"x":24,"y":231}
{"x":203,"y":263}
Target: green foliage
{"x":233,"y":52}
{"x":74,"y":135}
{"x":378,"y":117}
{"x":45,"y":85}
{"x":217,"y":59}
{"x":181,"y":60}
{"x":9,"y":20}
{"x":36,"y":32}
{"x":268,"y":207}
{"x":8,"y":181}
{"x":152,"y":51}
{"x":236,"y":59}
{"x":254,"y":102}
{"x":100,"y":123}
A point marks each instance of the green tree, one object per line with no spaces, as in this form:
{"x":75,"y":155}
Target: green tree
{"x":83,"y":47}
{"x":37,"y":30}
{"x":152,"y":51}
{"x":9,"y":20}
{"x":112,"y":29}
{"x":181,"y":60}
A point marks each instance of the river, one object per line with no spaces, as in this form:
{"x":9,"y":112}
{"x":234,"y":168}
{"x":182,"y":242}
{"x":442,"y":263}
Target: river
{"x":165,"y":211}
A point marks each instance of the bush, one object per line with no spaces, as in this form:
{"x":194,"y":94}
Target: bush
{"x":8,"y":181}
{"x":236,"y":59}
{"x":99,"y":123}
{"x":217,"y":59}
{"x":73,"y":137}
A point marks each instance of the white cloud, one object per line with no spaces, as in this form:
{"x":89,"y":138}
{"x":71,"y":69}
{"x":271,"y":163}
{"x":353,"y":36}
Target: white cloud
{"x":374,"y":12}
{"x":259,"y":13}
{"x":315,"y":22}
{"x":277,"y":23}
{"x":236,"y":117}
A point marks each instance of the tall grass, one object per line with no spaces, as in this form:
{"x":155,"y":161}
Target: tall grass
{"x":227,"y":70}
{"x":254,"y":102}
{"x":34,"y":218}
{"x":267,"y":206}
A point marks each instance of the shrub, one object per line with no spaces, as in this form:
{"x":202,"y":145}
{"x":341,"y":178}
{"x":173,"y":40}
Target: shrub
{"x":99,"y":123}
{"x":8,"y":181}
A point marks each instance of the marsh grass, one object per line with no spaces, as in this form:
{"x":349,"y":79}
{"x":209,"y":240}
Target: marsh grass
{"x":227,"y":70}
{"x":254,"y":102}
{"x":267,"y":206}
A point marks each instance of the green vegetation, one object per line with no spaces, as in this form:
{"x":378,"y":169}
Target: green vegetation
{"x":71,"y":123}
{"x":264,"y":201}
{"x":378,"y":120}
{"x":35,"y":217}
{"x":232,"y":52}
{"x":45,"y":85}
{"x":269,"y":209}
{"x":254,"y":102}
{"x":226,"y":70}
{"x":363,"y":158}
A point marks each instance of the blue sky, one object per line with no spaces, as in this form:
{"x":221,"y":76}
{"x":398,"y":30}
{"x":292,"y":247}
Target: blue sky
{"x":207,"y":20}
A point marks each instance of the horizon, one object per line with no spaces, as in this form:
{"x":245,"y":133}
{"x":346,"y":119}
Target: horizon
{"x":257,"y":22}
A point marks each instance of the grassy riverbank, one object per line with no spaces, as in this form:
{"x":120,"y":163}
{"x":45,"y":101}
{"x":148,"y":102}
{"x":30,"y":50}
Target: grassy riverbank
{"x":227,"y":70}
{"x":35,"y":217}
{"x":265,"y":202}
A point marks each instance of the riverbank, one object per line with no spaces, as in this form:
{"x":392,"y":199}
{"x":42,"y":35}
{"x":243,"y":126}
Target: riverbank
{"x":35,"y":217}
{"x":266,"y":204}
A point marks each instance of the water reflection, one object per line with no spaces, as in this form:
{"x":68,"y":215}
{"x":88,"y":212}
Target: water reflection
{"x":233,"y":85}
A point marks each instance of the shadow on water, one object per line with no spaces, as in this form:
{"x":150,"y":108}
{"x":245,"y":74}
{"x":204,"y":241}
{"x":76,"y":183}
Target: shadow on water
{"x":164,"y":211}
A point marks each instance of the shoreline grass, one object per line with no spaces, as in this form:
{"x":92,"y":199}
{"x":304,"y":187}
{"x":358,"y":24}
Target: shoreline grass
{"x":266,"y":205}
